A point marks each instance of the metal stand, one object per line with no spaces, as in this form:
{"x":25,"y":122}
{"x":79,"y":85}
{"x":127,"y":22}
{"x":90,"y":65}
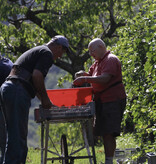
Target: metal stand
{"x":64,"y":156}
{"x":66,"y":159}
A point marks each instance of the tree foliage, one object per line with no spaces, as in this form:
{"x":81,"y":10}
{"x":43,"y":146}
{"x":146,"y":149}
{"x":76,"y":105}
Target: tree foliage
{"x":126,"y":26}
{"x":136,"y":48}
{"x":27,"y":23}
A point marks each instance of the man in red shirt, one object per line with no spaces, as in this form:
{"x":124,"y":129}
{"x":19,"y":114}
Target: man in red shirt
{"x":106,"y":79}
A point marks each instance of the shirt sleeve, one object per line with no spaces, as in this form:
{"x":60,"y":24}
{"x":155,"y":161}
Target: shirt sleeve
{"x":44,"y":63}
{"x":111,"y":66}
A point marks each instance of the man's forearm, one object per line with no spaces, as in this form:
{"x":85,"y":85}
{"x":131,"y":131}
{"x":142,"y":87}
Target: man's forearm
{"x":92,"y":79}
{"x":38,"y":81}
{"x":98,"y":79}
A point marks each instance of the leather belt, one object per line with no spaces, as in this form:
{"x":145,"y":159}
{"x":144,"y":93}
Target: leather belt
{"x":20,"y":73}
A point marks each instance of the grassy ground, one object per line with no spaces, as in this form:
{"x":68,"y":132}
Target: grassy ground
{"x":123,"y":142}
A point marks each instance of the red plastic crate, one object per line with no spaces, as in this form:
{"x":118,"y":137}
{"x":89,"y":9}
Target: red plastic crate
{"x":71,"y":96}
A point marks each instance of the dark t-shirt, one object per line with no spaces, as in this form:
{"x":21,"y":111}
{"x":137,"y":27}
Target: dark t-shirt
{"x":40,"y":58}
{"x":5,"y":68}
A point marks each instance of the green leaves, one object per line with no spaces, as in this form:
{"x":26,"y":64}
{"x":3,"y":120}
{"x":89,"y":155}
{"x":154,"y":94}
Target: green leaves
{"x":136,"y":49}
{"x":26,"y":25}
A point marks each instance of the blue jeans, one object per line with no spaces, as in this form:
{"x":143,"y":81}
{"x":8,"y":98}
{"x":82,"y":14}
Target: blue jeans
{"x":17,"y":102}
{"x":2,"y":135}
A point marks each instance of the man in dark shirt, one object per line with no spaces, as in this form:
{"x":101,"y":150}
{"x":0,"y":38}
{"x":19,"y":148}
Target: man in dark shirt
{"x":5,"y":68}
{"x":26,"y":80}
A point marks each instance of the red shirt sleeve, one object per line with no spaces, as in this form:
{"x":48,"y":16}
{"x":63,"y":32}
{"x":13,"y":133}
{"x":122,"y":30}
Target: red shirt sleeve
{"x":111,"y":65}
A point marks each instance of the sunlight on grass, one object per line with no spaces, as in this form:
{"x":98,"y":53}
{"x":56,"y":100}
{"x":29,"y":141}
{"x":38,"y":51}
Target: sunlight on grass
{"x":123,"y":142}
{"x":126,"y":141}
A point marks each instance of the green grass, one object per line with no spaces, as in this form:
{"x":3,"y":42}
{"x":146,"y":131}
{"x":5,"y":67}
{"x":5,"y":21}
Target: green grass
{"x":123,"y":142}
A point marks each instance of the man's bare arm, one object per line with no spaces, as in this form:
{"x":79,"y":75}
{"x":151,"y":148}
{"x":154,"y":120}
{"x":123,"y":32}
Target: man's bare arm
{"x":92,"y":79}
{"x":38,"y":81}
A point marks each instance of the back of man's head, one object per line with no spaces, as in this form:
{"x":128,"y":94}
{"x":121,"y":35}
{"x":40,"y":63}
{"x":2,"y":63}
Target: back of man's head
{"x":60,"y":40}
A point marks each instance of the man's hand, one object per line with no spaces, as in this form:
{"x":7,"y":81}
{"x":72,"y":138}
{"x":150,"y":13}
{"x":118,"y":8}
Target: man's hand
{"x":80,"y":73}
{"x":79,"y":81}
{"x":46,"y":103}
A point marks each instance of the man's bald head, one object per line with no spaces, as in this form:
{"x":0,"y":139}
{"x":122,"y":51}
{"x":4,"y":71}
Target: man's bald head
{"x":97,"y":42}
{"x":97,"y":48}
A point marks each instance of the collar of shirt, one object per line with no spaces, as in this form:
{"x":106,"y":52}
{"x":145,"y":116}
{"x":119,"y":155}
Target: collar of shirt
{"x":99,"y":61}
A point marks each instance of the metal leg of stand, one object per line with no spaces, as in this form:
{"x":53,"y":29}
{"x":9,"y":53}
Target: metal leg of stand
{"x":86,"y":143}
{"x":92,"y":140}
{"x":46,"y":142}
{"x":42,"y":141}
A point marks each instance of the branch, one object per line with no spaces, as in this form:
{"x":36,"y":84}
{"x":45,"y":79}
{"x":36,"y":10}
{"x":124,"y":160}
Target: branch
{"x":13,"y":1}
{"x":30,"y":15}
{"x":71,"y":55}
{"x":46,"y":4}
{"x":14,"y":49}
{"x":102,"y":20}
{"x":120,"y":24}
{"x":65,"y":66}
{"x":85,"y":57}
{"x":80,"y":44}
{"x":9,"y":46}
{"x":111,"y":12}
{"x":31,"y":3}
{"x":17,"y":23}
{"x":45,"y":11}
{"x":113,"y":25}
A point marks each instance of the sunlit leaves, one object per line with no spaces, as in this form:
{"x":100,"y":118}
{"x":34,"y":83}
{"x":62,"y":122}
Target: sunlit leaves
{"x":88,"y":19}
{"x":136,"y":49}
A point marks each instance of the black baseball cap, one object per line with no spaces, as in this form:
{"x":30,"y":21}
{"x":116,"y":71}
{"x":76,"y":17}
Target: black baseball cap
{"x":61,"y":40}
